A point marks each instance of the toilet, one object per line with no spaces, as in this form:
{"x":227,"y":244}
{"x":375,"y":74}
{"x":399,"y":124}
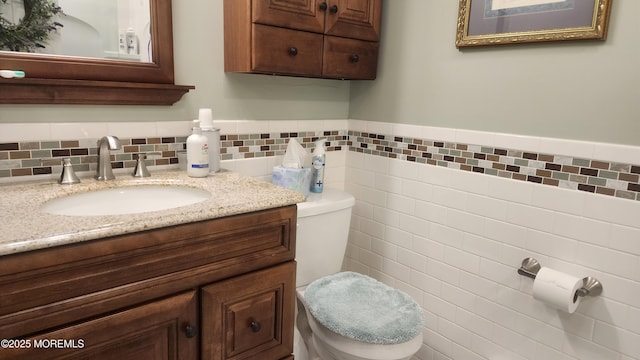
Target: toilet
{"x":345,"y":315}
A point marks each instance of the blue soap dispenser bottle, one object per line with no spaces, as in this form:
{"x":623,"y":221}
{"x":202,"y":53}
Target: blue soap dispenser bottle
{"x":317,"y":167}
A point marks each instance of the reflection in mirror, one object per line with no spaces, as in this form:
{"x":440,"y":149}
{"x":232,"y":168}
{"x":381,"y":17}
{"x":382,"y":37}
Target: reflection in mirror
{"x":109,"y":29}
{"x":65,"y":79}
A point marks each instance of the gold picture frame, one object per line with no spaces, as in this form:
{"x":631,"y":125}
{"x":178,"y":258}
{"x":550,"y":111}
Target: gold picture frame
{"x":502,"y":22}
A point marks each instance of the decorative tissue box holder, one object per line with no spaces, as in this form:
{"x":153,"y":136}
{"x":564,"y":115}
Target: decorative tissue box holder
{"x":292,"y":179}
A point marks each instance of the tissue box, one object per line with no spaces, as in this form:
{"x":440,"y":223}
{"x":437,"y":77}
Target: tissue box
{"x":292,"y":179}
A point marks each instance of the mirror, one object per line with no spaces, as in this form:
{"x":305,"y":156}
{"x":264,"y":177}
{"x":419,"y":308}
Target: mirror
{"x":67,"y":79}
{"x":110,"y":29}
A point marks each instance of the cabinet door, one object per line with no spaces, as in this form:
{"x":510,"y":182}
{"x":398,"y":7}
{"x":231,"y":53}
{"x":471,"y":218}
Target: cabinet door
{"x":161,"y":330}
{"x":349,"y":59}
{"x":283,"y":51}
{"x":294,"y":14}
{"x":250,"y":316}
{"x":356,"y":19}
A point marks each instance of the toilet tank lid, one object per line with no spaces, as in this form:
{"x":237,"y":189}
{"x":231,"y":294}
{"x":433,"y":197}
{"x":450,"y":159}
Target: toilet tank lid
{"x":327,"y":201}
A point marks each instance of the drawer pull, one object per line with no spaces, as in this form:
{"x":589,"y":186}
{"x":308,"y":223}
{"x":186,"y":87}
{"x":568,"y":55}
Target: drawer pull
{"x":334,"y":9}
{"x":323,"y":6}
{"x":255,"y":326}
{"x":293,"y":51}
{"x":190,"y":331}
{"x":355,"y":58}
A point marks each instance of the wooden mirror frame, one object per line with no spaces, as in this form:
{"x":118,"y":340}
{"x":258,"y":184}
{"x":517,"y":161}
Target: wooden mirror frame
{"x":53,"y":79}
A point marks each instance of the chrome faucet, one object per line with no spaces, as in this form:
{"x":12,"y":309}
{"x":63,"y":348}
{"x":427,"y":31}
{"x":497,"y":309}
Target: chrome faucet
{"x":106,"y":143}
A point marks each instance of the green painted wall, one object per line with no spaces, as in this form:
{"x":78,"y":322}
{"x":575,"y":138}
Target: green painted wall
{"x":581,"y":90}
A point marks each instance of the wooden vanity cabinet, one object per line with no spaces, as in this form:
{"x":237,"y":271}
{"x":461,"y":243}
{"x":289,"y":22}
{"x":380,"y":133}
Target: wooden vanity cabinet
{"x":216,"y":289}
{"x":314,"y":38}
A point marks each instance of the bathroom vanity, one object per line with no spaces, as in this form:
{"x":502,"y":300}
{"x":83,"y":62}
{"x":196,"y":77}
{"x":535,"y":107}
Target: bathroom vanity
{"x":219,"y":287}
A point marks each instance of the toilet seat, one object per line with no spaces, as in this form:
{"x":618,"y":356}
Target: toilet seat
{"x":329,"y":345}
{"x":363,"y":309}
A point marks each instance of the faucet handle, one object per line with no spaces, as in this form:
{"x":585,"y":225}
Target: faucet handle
{"x":68,"y":176}
{"x":141,"y":167}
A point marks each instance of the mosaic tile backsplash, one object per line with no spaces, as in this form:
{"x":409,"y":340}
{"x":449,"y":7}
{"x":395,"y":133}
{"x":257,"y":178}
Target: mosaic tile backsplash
{"x":591,"y":175}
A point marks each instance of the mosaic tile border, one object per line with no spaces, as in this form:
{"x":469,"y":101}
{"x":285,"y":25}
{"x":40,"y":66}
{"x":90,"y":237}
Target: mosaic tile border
{"x":594,"y":176}
{"x":245,"y":146}
{"x":45,"y":157}
{"x":620,"y":180}
{"x":21,"y":159}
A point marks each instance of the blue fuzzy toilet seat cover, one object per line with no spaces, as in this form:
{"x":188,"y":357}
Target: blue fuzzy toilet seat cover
{"x":363,"y":309}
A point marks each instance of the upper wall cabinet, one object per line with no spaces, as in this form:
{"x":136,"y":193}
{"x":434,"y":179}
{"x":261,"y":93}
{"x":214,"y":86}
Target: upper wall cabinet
{"x":335,"y":39}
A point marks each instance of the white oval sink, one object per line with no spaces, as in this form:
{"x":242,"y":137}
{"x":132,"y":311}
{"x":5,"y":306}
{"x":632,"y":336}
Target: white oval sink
{"x":125,"y":200}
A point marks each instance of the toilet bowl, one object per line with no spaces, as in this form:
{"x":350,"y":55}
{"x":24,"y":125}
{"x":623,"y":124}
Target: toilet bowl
{"x":322,"y":331}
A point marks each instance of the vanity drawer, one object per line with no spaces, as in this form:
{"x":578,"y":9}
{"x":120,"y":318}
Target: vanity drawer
{"x":285,"y":51}
{"x":248,"y":316}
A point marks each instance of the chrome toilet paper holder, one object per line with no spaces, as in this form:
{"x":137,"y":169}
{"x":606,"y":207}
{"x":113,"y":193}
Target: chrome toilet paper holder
{"x":590,"y":285}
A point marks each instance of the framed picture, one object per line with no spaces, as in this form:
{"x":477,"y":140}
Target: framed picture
{"x":499,"y":22}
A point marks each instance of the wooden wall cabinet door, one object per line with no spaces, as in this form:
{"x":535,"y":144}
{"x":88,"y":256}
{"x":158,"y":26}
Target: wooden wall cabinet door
{"x":356,"y":19}
{"x":250,"y":316}
{"x":163,"y":329}
{"x":303,"y":15}
{"x":347,"y":58}
{"x":285,"y":51}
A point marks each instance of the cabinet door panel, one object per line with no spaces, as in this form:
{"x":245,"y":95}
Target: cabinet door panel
{"x":356,"y":19}
{"x":349,"y":59}
{"x":272,"y":51}
{"x":252,"y":322}
{"x":155,"y":331}
{"x":250,"y":316}
{"x":295,"y":14}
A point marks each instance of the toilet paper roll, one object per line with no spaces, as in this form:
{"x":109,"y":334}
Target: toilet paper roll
{"x":557,"y":289}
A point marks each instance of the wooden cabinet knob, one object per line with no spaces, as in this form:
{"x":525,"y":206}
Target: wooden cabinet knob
{"x":190,"y":331}
{"x":355,"y":58}
{"x":334,"y":9}
{"x":323,"y":6}
{"x":255,"y":326}
{"x":293,"y":51}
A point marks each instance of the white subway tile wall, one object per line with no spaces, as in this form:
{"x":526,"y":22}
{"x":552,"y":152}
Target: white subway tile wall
{"x":454,"y":240}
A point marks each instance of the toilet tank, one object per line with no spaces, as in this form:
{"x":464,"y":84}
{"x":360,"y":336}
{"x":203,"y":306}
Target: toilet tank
{"x":322,"y":234}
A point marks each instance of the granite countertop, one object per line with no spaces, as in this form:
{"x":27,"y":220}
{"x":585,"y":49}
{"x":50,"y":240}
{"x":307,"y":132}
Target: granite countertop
{"x":24,"y":227}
